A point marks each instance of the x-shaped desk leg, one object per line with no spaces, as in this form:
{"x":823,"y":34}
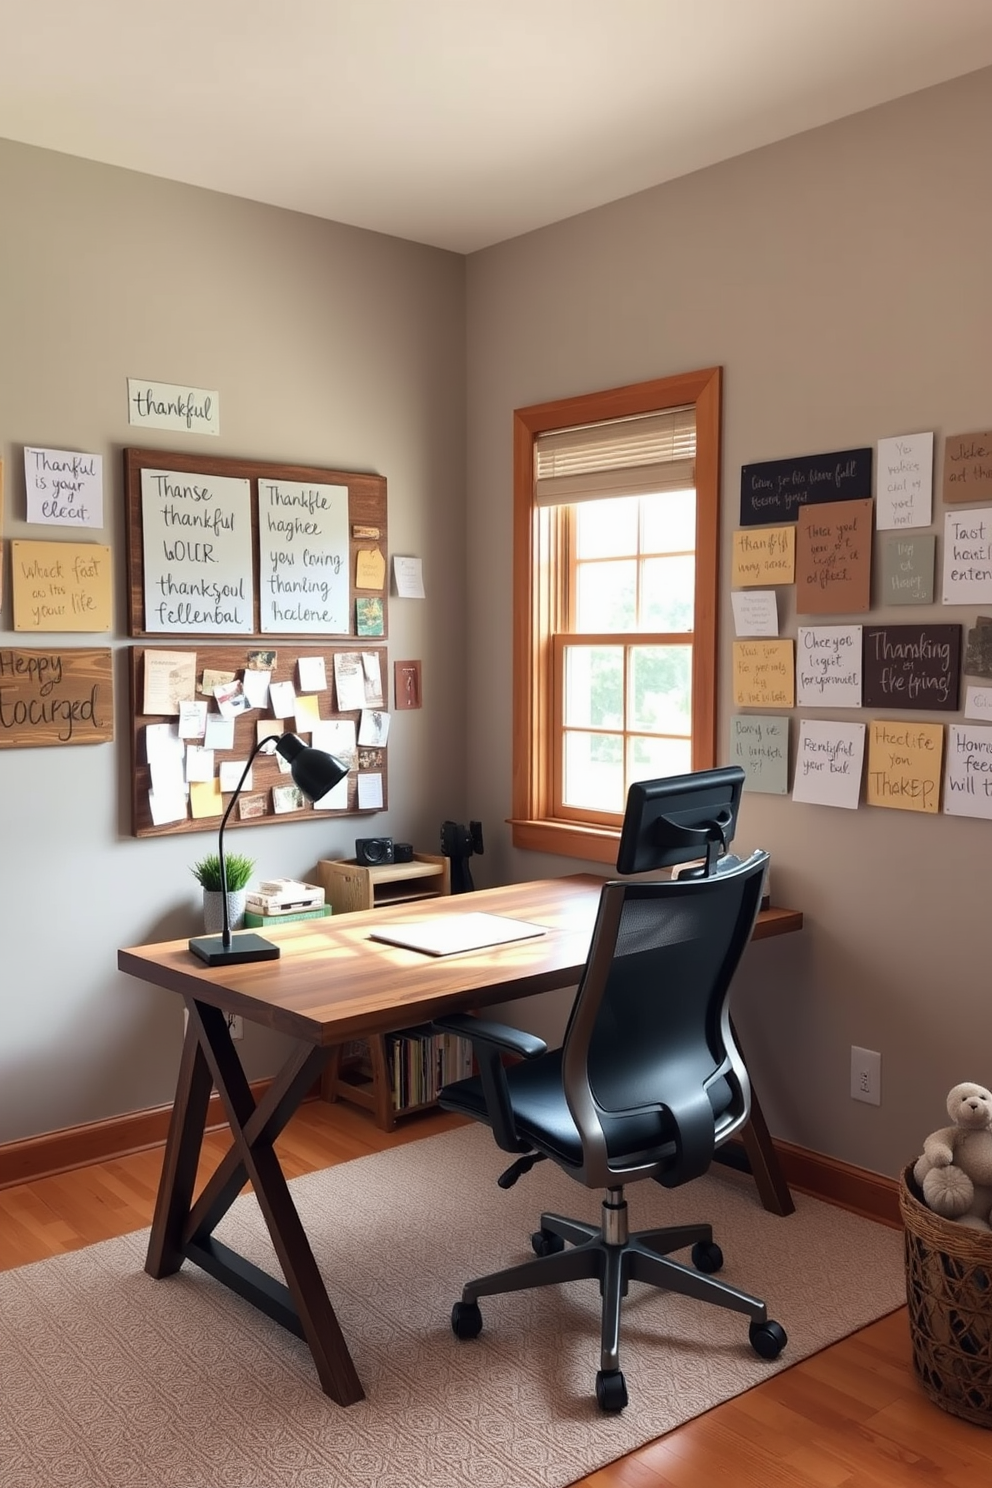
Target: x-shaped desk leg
{"x":183,"y":1231}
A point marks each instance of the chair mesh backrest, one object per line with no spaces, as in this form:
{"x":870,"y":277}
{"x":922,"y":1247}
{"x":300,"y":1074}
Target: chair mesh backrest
{"x":653,"y":1013}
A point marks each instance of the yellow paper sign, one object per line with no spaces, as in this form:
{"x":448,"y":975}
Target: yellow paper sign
{"x":904,"y":762}
{"x":764,"y":555}
{"x":205,"y":798}
{"x":764,"y":674}
{"x":61,"y":586}
{"x":370,"y":569}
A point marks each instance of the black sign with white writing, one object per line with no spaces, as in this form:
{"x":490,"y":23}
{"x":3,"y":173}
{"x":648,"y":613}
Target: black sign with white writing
{"x":912,"y":666}
{"x":775,"y":490}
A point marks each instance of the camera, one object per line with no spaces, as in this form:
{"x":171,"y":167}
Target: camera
{"x":372,"y":852}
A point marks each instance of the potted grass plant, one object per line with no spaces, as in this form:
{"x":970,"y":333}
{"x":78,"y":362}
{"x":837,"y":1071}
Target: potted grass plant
{"x":206,"y":871}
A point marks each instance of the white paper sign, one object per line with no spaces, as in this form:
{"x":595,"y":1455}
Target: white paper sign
{"x":197,"y":552}
{"x":828,"y":666}
{"x":408,"y":578}
{"x":369,"y":792}
{"x":968,"y":771}
{"x":169,"y":405}
{"x":303,"y":540}
{"x":904,"y":481}
{"x":373,"y":728}
{"x":829,"y":763}
{"x":64,"y":489}
{"x":968,"y":556}
{"x":978,"y":703}
{"x":337,"y":736}
{"x":755,"y":612}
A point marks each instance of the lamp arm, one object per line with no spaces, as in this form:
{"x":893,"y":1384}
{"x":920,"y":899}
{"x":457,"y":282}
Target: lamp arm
{"x":225,"y":917}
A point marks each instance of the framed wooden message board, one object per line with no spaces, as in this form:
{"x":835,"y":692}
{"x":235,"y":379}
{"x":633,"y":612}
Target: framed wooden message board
{"x":59,"y":695}
{"x":221,"y":548}
{"x":179,"y":681}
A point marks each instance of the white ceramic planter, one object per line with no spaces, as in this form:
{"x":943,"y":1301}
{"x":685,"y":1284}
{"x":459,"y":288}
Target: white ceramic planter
{"x":213,"y":910}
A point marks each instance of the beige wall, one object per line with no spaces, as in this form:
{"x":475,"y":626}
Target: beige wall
{"x":328,"y":346}
{"x":841,"y":278}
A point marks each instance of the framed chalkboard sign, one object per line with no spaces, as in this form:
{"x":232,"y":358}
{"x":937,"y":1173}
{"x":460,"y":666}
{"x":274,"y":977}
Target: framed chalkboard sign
{"x":242,"y":548}
{"x":774,"y":490}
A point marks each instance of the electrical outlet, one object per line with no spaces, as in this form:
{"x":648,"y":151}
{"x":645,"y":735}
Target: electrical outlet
{"x":866,"y":1076}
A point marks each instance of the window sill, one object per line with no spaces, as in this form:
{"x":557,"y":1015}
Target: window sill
{"x":567,"y":839}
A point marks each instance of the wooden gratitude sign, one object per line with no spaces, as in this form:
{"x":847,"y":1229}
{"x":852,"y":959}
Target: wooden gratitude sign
{"x":55,"y":697}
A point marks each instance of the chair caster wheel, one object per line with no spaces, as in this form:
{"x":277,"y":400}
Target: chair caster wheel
{"x":707,"y":1257}
{"x":768,"y":1339}
{"x":466,"y":1320}
{"x":544,"y":1243}
{"x":611,"y":1390}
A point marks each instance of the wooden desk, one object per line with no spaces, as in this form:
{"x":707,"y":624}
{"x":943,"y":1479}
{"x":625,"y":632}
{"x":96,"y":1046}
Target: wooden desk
{"x":332,"y":983}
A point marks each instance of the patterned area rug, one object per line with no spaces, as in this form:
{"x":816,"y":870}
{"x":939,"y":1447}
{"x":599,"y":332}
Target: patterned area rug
{"x":109,"y":1379}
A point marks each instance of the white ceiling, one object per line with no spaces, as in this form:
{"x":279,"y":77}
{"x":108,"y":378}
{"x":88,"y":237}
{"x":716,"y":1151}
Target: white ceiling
{"x":457,"y":123}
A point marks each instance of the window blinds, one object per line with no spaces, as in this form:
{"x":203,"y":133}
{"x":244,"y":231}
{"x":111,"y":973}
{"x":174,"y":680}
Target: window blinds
{"x":623,"y":457}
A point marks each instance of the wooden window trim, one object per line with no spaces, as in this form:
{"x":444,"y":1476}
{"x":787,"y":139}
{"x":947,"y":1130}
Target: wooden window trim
{"x":535,"y":601}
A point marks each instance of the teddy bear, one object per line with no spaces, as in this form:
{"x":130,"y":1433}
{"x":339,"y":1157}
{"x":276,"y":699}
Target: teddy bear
{"x":955,"y":1170}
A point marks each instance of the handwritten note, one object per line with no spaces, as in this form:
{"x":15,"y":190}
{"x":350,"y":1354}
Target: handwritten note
{"x":978,"y":703}
{"x":829,"y":761}
{"x":968,"y":772}
{"x":968,"y":557}
{"x":755,"y":612}
{"x":907,"y":568}
{"x":904,"y":765}
{"x":61,"y":586}
{"x":904,"y":485}
{"x":912,"y":666}
{"x":968,"y":467}
{"x":828,"y":666}
{"x":55,"y":697}
{"x":63,"y":488}
{"x":764,"y":556}
{"x":303,"y":557}
{"x":168,"y":405}
{"x":169,"y":678}
{"x":197,"y":552}
{"x":408,"y":577}
{"x":764,"y":675}
{"x":833,"y":558}
{"x":760,"y":745}
{"x":776,"y":490}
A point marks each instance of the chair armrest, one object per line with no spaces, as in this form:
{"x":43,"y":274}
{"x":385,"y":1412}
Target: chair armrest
{"x":490,"y":1041}
{"x":499,"y":1035}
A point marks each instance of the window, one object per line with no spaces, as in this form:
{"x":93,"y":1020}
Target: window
{"x":616,"y":500}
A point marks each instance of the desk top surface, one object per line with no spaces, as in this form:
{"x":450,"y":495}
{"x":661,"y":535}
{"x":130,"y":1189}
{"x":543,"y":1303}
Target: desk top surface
{"x":332,"y":982}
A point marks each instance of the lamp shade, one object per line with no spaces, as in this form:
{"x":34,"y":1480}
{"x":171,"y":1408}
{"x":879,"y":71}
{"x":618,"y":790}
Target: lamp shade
{"x":314,"y":770}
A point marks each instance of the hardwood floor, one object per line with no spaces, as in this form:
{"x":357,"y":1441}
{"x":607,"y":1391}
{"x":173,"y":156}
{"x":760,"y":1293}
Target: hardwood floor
{"x":851,"y":1415}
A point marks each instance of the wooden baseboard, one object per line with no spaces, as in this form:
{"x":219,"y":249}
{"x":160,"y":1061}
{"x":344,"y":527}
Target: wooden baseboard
{"x":863,"y":1192}
{"x":872,"y":1195}
{"x":97,"y":1141}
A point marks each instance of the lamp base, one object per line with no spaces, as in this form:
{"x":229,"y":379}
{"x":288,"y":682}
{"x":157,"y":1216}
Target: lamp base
{"x":243,"y":947}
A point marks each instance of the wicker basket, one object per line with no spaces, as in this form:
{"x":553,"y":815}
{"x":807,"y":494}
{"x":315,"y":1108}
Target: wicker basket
{"x":949,"y":1292}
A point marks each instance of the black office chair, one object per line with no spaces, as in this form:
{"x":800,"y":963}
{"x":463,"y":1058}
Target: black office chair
{"x":647,"y":1084}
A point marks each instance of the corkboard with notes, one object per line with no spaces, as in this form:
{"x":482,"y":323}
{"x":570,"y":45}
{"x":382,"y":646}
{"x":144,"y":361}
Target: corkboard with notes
{"x":197,"y":711}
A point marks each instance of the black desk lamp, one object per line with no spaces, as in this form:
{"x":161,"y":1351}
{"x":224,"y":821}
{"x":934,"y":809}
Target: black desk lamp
{"x":315,"y":772}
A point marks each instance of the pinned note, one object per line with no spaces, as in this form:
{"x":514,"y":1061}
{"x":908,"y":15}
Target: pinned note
{"x":370,"y":569}
{"x":833,"y":558}
{"x":829,"y":761}
{"x":904,"y":481}
{"x":760,"y":745}
{"x":904,"y":761}
{"x":968,"y":775}
{"x":764,"y":555}
{"x":828,"y":666}
{"x":763,"y":674}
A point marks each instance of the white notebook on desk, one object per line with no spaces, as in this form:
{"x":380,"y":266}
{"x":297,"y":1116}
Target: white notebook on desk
{"x":450,"y":935}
